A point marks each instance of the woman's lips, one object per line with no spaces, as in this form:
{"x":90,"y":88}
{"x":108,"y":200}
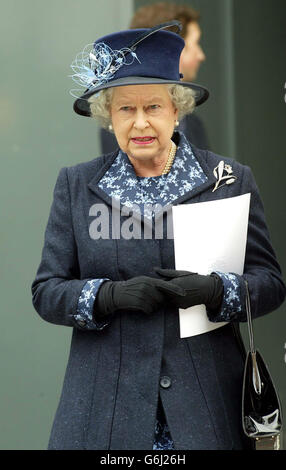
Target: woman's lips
{"x":143,"y":140}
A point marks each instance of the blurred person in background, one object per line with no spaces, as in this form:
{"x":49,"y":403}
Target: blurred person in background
{"x":191,"y":58}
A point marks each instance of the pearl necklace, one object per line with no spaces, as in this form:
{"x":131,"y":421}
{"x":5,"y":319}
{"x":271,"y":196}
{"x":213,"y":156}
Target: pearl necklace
{"x":171,"y":156}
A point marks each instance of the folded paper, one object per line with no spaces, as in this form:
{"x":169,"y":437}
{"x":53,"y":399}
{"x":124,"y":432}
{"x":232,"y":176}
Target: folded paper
{"x":209,"y":236}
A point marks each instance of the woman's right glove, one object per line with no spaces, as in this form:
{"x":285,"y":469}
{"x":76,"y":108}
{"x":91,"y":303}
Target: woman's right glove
{"x":141,"y":293}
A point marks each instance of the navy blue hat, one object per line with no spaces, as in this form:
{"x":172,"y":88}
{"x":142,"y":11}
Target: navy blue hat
{"x":131,"y":57}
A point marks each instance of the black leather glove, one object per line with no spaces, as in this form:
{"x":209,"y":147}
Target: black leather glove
{"x":141,"y":293}
{"x":199,"y":289}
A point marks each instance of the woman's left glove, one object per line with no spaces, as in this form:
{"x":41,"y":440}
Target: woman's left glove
{"x":199,"y":289}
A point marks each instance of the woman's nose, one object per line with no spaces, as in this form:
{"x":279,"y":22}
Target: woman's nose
{"x":140,"y":120}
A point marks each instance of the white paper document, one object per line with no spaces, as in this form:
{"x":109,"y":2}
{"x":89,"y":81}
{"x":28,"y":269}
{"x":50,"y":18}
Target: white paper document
{"x":209,"y":236}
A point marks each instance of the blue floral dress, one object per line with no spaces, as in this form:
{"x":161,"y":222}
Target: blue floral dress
{"x":121,"y":182}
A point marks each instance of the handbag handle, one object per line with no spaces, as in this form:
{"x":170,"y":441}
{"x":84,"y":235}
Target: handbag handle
{"x":257,"y":382}
{"x":249,"y":319}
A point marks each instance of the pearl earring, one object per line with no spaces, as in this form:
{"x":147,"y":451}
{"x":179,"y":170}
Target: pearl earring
{"x":110,"y":127}
{"x":177,"y":123}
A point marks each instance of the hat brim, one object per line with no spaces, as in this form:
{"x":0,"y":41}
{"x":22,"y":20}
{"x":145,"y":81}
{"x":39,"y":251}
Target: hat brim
{"x":81,"y":105}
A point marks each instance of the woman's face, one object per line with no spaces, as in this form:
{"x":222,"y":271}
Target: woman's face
{"x":143,"y":119}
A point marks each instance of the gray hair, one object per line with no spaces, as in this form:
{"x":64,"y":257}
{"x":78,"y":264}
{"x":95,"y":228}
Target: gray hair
{"x":183,"y":98}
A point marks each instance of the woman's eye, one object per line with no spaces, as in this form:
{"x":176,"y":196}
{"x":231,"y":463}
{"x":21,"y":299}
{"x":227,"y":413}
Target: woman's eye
{"x":125,"y":108}
{"x":154,"y":106}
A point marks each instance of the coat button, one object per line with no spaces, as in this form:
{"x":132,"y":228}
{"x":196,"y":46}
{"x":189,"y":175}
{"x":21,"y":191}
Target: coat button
{"x":165,"y":381}
{"x":81,"y":323}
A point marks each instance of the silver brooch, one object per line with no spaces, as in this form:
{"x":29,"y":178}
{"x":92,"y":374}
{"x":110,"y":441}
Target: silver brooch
{"x":218,"y":172}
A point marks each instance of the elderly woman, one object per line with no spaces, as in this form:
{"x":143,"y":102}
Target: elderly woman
{"x":131,"y":381}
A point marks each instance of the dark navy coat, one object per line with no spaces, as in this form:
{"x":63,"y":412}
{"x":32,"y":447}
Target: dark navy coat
{"x":112,"y":381}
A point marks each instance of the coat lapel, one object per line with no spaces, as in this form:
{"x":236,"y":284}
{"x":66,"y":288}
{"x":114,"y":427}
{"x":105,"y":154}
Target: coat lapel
{"x":200,"y":155}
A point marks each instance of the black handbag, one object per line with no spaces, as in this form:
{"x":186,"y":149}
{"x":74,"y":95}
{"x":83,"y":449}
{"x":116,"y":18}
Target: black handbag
{"x":261,"y":409}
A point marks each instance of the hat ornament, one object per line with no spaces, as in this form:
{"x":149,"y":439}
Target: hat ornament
{"x":97,"y":64}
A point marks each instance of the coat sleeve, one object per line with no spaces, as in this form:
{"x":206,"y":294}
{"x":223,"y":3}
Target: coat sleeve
{"x":261,"y":269}
{"x":58,"y":294}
